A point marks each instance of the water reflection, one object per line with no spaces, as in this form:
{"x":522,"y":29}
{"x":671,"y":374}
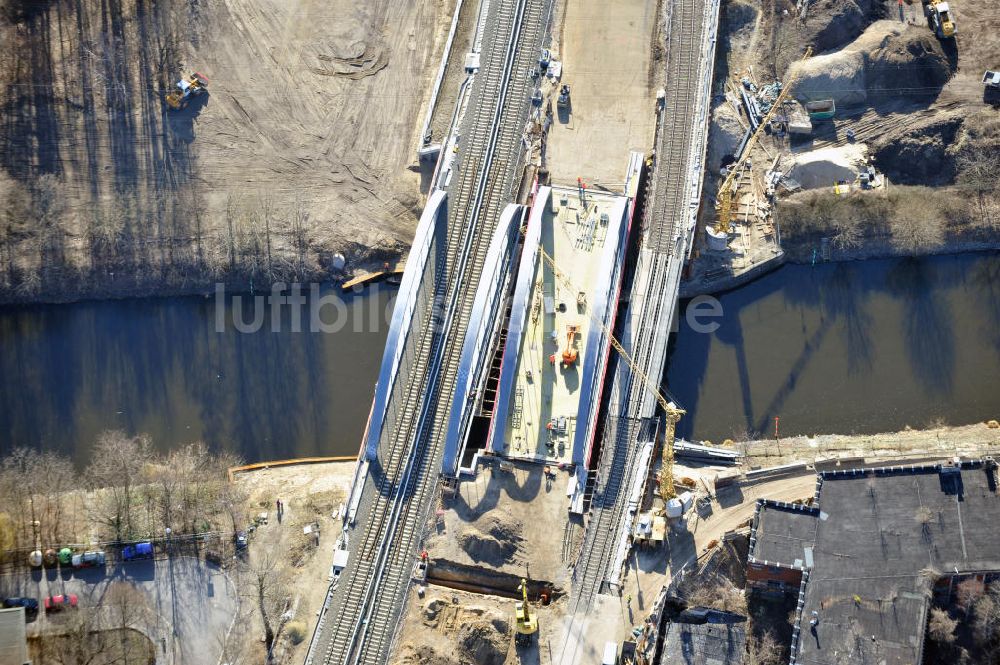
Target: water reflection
{"x":852,"y":347}
{"x":159,"y":366}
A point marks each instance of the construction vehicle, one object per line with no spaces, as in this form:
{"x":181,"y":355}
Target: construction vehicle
{"x":939,"y":15}
{"x":570,"y":353}
{"x":672,"y":414}
{"x":525,"y":623}
{"x":192,"y":85}
{"x":563,"y":99}
{"x":724,"y":199}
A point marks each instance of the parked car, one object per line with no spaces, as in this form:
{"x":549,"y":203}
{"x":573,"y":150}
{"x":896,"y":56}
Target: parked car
{"x":241,"y":540}
{"x":30,"y":605}
{"x":60,"y":602}
{"x":88,"y":560}
{"x":137,"y":551}
{"x":65,"y":556}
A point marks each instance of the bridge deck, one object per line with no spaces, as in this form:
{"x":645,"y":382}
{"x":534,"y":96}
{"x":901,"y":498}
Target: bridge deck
{"x":542,"y":420}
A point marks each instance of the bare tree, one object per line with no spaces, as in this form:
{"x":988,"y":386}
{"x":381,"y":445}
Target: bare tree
{"x":941,"y":627}
{"x":763,"y":649}
{"x":127,"y":610}
{"x":55,"y":497}
{"x":715,"y":592}
{"x":231,"y":500}
{"x":968,"y":592}
{"x":986,"y":626}
{"x":38,"y":489}
{"x":262,"y":584}
{"x":117,"y":472}
{"x":79,"y":642}
{"x":15,"y":211}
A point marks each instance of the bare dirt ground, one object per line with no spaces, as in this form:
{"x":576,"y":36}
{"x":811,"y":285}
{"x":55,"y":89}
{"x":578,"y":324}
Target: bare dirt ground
{"x":607,"y":50}
{"x":446,"y":625}
{"x":914,"y":101}
{"x":967,"y":441}
{"x":302,"y":148}
{"x":513,"y":522}
{"x":454,"y":72}
{"x":310,"y":493}
{"x":449,"y":626}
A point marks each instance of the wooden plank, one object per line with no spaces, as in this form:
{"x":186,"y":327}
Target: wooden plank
{"x":368,"y":278}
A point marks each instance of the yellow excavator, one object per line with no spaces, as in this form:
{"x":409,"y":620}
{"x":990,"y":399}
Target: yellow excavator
{"x":939,"y":15}
{"x":724,"y":199}
{"x":525,"y":623}
{"x":190,"y":86}
{"x":671,"y":412}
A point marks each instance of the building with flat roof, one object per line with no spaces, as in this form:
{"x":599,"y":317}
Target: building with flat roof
{"x":13,"y":637}
{"x":867,"y":557}
{"x":704,"y":644}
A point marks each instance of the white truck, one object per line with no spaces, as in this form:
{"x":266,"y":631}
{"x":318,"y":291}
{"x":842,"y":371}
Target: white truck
{"x":991,"y":79}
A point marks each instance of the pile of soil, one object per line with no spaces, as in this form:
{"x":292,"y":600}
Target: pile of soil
{"x":724,"y":134}
{"x":837,"y":22}
{"x":911,"y":64}
{"x":924,"y":157}
{"x":739,"y":20}
{"x":889,"y":62}
{"x":484,"y":642}
{"x":492,"y":541}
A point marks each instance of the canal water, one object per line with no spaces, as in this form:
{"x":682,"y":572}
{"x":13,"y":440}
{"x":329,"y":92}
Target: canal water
{"x":859,"y":347}
{"x":852,"y":347}
{"x":160,"y":366}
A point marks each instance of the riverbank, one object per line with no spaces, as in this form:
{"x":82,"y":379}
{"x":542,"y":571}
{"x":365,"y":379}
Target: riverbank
{"x":904,"y":221}
{"x":311,"y":494}
{"x":71,"y":286}
{"x":818,"y":249}
{"x":105,"y":192}
{"x":967,"y":441}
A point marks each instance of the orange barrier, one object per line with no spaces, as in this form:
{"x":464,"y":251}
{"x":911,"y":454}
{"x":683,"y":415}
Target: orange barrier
{"x":288,"y":462}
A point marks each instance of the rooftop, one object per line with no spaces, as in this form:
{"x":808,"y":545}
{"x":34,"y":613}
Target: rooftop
{"x":13,"y":642}
{"x":542,"y":419}
{"x":785,"y":534}
{"x":703,"y":644}
{"x":881,"y":538}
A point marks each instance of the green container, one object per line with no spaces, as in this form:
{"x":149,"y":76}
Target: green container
{"x":824,"y":109}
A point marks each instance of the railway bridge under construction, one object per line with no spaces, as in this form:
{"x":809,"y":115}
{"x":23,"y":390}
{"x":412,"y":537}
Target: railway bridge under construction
{"x":448,"y":385}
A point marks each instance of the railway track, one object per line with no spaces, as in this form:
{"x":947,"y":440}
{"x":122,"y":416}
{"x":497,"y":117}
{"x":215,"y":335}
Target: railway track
{"x":630,"y":406}
{"x":363,"y":612}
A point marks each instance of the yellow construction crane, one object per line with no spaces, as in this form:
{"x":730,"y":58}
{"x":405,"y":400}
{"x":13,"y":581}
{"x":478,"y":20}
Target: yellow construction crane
{"x":525,"y":623}
{"x":725,"y":196}
{"x":672,"y":413}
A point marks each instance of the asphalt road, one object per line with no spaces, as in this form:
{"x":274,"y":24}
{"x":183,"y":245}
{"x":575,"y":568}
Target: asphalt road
{"x":193,"y":603}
